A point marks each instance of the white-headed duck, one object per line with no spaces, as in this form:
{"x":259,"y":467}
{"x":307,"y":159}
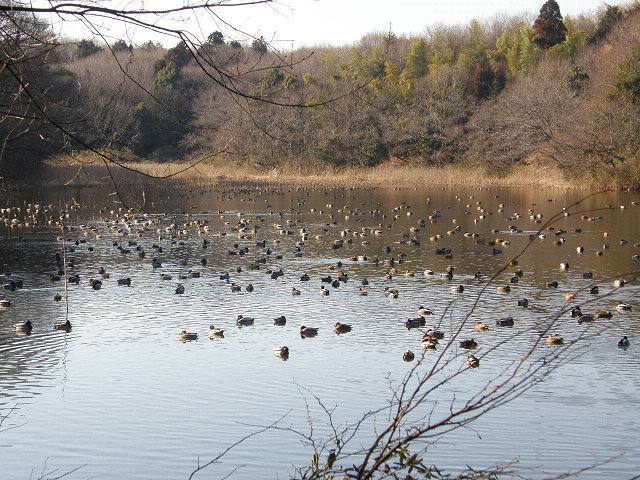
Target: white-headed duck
{"x":215,"y":332}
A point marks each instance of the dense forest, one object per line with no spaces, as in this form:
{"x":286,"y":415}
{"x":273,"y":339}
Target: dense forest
{"x":490,"y":94}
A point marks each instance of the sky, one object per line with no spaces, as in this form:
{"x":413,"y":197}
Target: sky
{"x":299,"y":23}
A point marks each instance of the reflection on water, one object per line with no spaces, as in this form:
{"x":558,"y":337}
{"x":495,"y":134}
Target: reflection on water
{"x":122,"y":394}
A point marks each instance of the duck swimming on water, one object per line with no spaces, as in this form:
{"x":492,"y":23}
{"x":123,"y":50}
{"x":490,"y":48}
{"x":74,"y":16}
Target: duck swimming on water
{"x":185,"y":336}
{"x":623,"y":342}
{"x":243,"y":321}
{"x":215,"y":332}
{"x":554,"y":340}
{"x":584,"y":318}
{"x":623,"y":307}
{"x":415,"y":322}
{"x":66,"y":326}
{"x":505,"y":322}
{"x":429,"y":343}
{"x":308,"y":331}
{"x":437,"y":334}
{"x":281,"y":352}
{"x":468,"y":343}
{"x":481,"y":327}
{"x":341,"y":327}
{"x":25,"y":327}
{"x":473,"y":361}
{"x":408,"y":356}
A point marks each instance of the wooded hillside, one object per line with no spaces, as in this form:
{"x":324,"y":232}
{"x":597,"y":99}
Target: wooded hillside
{"x":493,"y":94}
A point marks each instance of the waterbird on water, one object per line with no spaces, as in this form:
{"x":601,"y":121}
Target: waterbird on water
{"x":308,"y":331}
{"x":472,"y":361}
{"x":66,"y":326}
{"x":281,"y":352}
{"x":243,"y":321}
{"x":437,"y":334}
{"x":215,"y":332}
{"x":429,"y":343}
{"x":585,"y":318}
{"x":471,"y":343}
{"x":505,"y":322}
{"x":624,"y":342}
{"x":25,"y":327}
{"x":554,"y":340}
{"x":341,"y":327}
{"x":623,"y":307}
{"x":482,"y":327}
{"x":184,"y":336}
{"x":415,"y":322}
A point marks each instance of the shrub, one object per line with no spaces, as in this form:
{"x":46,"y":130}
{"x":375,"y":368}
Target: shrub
{"x":627,"y":81}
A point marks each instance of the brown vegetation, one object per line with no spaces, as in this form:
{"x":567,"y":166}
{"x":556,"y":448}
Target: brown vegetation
{"x":535,"y":174}
{"x":488,"y":97}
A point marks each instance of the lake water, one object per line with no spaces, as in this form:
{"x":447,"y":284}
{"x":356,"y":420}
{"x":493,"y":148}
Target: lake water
{"x":121,"y":396}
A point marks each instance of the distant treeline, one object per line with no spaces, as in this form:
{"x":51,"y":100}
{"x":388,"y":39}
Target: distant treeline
{"x":493,"y":94}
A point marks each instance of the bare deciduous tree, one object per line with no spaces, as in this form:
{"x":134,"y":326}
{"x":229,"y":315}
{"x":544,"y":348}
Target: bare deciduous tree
{"x":109,"y":84}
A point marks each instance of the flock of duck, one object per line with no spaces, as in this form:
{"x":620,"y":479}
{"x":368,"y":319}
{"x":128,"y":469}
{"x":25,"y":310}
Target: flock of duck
{"x":133,"y":231}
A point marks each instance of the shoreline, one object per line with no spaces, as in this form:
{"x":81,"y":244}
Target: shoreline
{"x":525,"y":176}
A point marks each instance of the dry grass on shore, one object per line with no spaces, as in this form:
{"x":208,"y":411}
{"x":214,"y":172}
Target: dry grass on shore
{"x":59,"y":173}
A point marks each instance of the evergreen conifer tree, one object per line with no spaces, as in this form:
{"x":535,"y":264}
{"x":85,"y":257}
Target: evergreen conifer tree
{"x":549,"y":29}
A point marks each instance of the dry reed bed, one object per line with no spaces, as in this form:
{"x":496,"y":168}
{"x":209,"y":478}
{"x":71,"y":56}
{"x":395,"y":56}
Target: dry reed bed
{"x":59,"y":173}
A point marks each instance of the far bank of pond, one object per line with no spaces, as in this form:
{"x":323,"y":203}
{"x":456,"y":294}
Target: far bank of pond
{"x":94,"y":172}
